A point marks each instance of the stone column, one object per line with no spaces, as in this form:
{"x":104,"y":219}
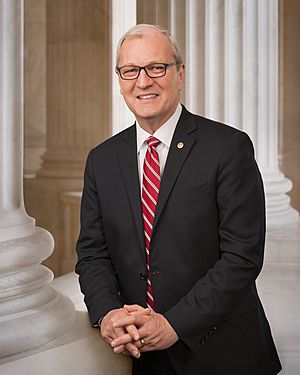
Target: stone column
{"x":122,"y":18}
{"x":70,"y":202}
{"x":78,"y":113}
{"x":154,"y":12}
{"x":240,"y":82}
{"x":77,"y":84}
{"x":194,"y":57}
{"x":31,"y":312}
{"x":35,"y":96}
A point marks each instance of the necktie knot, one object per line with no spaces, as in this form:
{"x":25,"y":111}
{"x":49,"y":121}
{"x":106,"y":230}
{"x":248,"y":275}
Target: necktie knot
{"x":152,"y":141}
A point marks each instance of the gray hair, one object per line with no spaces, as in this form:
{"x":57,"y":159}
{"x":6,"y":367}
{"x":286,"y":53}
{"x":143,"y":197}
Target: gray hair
{"x":139,"y":31}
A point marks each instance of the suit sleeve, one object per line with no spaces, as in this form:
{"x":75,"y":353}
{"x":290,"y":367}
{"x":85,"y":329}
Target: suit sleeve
{"x":241,"y":208}
{"x":96,"y":274}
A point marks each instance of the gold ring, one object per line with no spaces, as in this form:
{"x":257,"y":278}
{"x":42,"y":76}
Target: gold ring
{"x":142,"y":342}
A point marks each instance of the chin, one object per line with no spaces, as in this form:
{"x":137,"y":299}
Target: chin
{"x":146,"y":114}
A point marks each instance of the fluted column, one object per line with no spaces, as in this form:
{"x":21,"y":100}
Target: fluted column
{"x":250,"y":63}
{"x":240,"y":83}
{"x":278,"y":202}
{"x":122,"y":18}
{"x":31,"y":312}
{"x":233,"y":24}
{"x":14,"y":222}
{"x":77,"y":84}
{"x":78,"y":112}
{"x":195,"y":59}
{"x":214,"y":59}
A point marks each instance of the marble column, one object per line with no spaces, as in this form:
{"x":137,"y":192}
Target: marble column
{"x":31,"y":312}
{"x":122,"y":18}
{"x":70,"y":202}
{"x":194,"y":57}
{"x":35,"y":83}
{"x":239,"y":82}
{"x":154,"y":12}
{"x":77,"y":84}
{"x":78,"y":113}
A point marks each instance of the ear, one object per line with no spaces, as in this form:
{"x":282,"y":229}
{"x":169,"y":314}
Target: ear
{"x":181,"y":74}
{"x":117,"y":73}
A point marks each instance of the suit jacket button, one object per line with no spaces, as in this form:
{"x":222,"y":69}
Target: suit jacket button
{"x":202,"y":342}
{"x":142,"y":276}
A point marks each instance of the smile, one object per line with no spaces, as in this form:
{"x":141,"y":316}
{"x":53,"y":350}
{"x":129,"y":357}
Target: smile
{"x":148,"y":96}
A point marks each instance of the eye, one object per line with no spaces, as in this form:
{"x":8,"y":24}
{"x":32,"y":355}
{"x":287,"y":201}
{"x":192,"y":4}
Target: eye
{"x":156,"y":68}
{"x":129,"y":70}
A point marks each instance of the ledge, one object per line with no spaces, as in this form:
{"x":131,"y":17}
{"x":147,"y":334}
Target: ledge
{"x":80,"y":351}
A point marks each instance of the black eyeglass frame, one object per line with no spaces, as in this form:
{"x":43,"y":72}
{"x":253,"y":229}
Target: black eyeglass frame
{"x":166,"y":65}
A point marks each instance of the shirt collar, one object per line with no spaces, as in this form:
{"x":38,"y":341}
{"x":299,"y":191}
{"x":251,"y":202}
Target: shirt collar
{"x":164,"y":134}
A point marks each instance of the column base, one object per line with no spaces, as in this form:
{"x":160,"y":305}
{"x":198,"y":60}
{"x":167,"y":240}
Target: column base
{"x":278,"y":207}
{"x":16,"y":224}
{"x":31,"y":312}
{"x":64,"y":164}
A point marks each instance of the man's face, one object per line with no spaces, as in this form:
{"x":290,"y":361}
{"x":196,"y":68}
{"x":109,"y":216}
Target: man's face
{"x":152,"y":100}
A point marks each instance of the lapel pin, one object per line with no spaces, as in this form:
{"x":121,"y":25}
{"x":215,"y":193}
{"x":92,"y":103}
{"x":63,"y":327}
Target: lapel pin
{"x":180,"y":145}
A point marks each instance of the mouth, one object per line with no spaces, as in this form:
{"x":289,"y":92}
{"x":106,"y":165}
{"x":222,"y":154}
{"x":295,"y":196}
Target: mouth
{"x":147,"y":96}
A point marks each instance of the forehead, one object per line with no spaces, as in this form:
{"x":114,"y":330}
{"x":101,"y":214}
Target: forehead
{"x":152,"y":46}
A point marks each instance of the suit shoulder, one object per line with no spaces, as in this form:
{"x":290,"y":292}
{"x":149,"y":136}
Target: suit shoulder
{"x":216,"y":130}
{"x":216,"y":127}
{"x":110,"y":143}
{"x":214,"y":135}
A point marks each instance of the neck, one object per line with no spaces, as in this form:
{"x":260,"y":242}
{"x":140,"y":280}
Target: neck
{"x":151,"y":125}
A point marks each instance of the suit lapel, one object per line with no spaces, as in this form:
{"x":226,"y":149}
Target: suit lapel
{"x":127,"y":155}
{"x":180,"y":148}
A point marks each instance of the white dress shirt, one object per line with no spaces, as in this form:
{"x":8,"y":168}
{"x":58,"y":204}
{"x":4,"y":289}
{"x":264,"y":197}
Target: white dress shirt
{"x":164,"y":134}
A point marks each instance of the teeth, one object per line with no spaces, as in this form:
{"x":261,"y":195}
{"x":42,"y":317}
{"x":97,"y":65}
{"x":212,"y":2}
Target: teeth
{"x":147,"y":96}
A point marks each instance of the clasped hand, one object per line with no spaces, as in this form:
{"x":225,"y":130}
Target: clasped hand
{"x":133,"y":329}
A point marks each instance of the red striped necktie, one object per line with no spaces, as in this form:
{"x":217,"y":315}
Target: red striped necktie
{"x":150,"y":190}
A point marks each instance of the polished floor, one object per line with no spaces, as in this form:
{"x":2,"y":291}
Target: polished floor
{"x":279,"y":284}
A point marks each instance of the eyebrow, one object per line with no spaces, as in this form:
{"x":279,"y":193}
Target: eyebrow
{"x":151,"y":62}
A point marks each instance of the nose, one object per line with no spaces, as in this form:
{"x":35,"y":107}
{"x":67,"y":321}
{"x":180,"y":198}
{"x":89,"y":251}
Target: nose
{"x":144,"y":80}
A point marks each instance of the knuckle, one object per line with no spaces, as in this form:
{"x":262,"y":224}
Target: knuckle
{"x":104,"y":332}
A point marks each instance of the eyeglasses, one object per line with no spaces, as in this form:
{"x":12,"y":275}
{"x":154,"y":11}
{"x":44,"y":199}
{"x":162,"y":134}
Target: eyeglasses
{"x":154,"y":70}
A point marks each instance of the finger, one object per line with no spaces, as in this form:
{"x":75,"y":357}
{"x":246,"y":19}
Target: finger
{"x":145,"y":312}
{"x":131,"y":308}
{"x":137,"y":309}
{"x":107,"y":330}
{"x":108,"y":335}
{"x":138,"y":344}
{"x":122,"y":340}
{"x":133,"y":332}
{"x":119,"y":332}
{"x":129,"y":348}
{"x":107,"y":339}
{"x":137,"y":320}
{"x":133,"y":350}
{"x":119,"y":349}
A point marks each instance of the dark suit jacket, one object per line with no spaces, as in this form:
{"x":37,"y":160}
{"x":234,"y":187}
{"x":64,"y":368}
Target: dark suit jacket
{"x":206,"y":251}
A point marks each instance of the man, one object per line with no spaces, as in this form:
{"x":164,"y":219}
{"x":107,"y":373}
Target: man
{"x":172,"y":229}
